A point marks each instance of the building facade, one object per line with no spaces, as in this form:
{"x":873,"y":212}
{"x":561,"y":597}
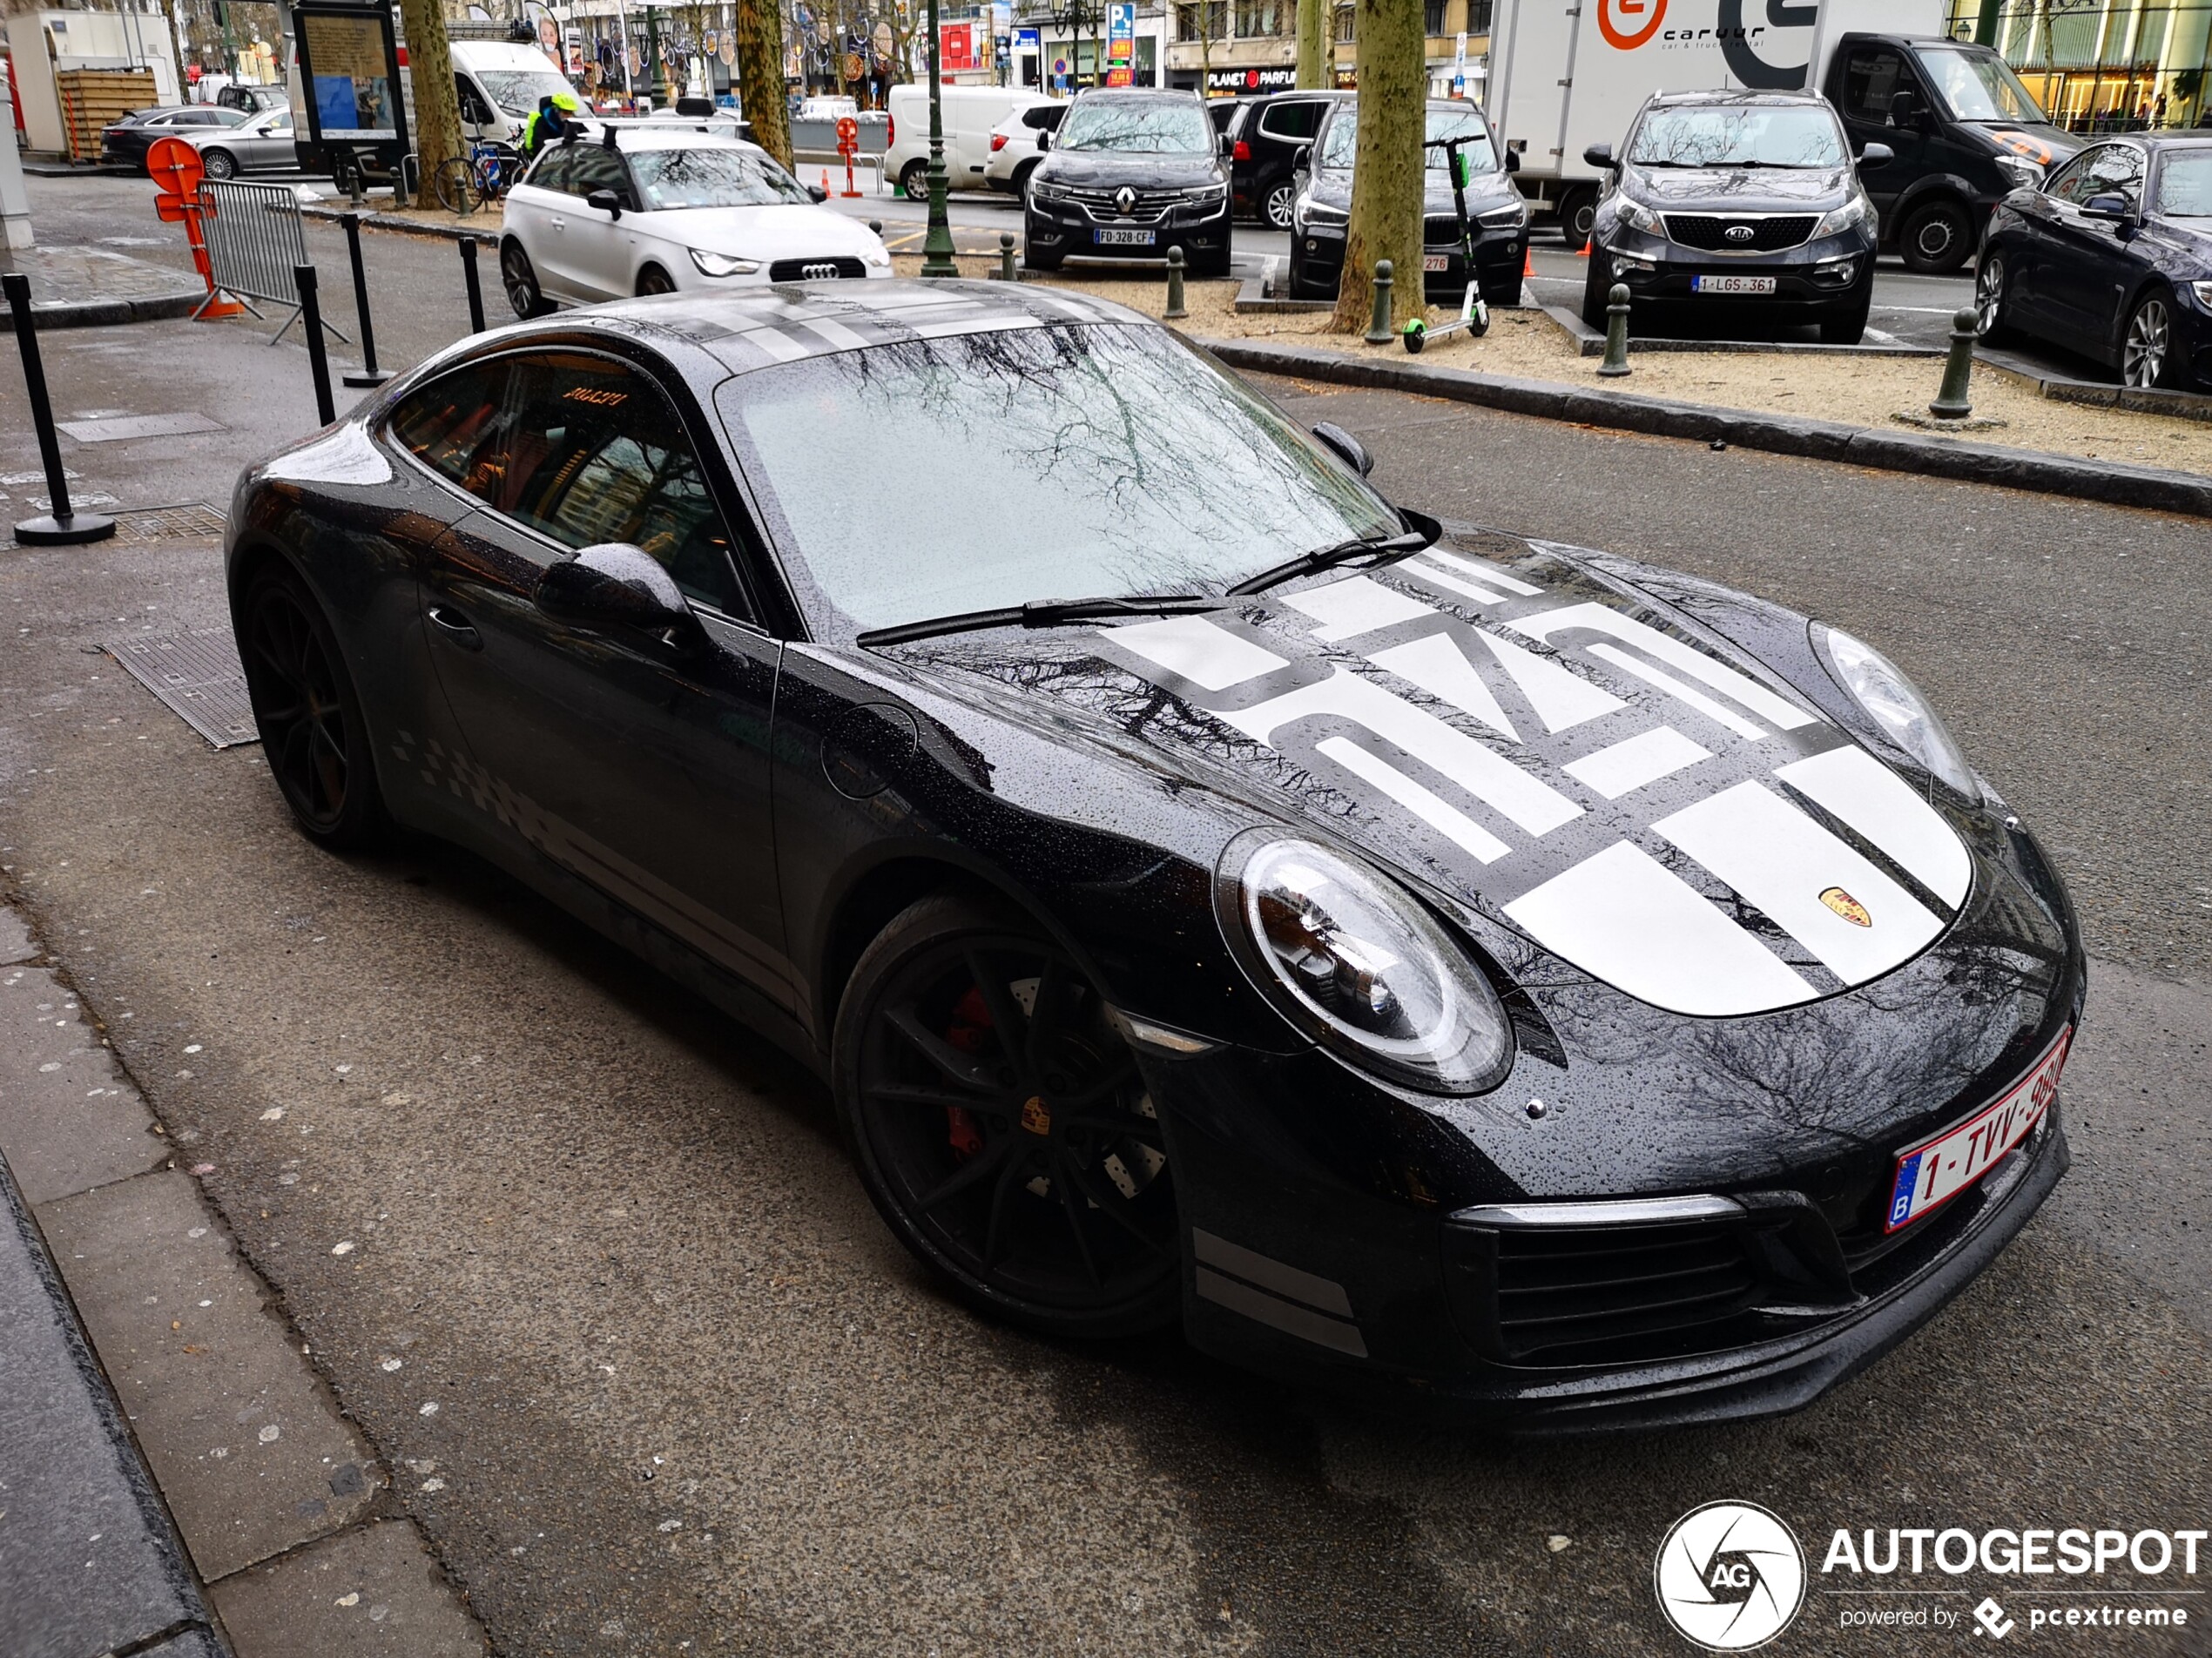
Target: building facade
{"x":2101,"y":65}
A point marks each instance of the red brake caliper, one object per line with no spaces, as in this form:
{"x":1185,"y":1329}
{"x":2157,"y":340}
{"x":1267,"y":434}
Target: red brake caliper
{"x":971,"y":1028}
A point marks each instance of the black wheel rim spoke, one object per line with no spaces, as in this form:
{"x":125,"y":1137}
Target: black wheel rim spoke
{"x":918,"y":1094}
{"x":969,"y":1175}
{"x":1066,"y":1188}
{"x":1046,"y":1013}
{"x":1112,"y":1205}
{"x":1006,"y":1017}
{"x":993,"y":1231}
{"x":954,"y":1064}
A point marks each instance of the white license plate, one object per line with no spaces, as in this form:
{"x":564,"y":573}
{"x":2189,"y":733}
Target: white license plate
{"x":1436,"y":261}
{"x":1731,"y":285}
{"x":1124,"y":237}
{"x":1931,"y":1174}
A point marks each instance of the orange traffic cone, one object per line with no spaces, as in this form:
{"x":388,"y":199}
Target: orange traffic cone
{"x":1584,"y":253}
{"x":1528,"y":261}
{"x":826,"y":181}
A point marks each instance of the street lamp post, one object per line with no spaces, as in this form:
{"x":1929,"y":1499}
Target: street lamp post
{"x":937,"y":244}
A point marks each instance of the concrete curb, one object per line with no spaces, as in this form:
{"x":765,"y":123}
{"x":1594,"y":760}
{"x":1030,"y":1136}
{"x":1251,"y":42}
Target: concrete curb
{"x":2063,"y":388}
{"x":105,"y":314}
{"x":1590,"y":342}
{"x":2124,"y":486}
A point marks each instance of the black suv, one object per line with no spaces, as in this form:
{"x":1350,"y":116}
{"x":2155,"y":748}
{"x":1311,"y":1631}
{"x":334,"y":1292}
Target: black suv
{"x":1499,"y":216}
{"x":1266,"y":135}
{"x":1129,"y":175}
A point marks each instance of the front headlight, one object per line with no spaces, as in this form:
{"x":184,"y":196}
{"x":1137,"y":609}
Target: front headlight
{"x":1206,"y":192}
{"x":2019,"y":172}
{"x":721,"y":263}
{"x":1878,"y":685}
{"x":1045,"y":190}
{"x":1511,"y":217}
{"x":1311,"y":213}
{"x":1351,"y":961}
{"x":2203,"y":292}
{"x":1839,"y":219}
{"x":1635,"y":213}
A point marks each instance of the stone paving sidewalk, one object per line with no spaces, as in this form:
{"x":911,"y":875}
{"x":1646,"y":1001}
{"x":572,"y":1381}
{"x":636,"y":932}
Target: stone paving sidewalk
{"x":93,"y":287}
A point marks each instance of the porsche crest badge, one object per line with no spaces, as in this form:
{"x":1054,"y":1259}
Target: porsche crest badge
{"x":1847,"y":907}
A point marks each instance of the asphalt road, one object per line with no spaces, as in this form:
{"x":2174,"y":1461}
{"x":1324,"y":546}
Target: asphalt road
{"x":689,"y":1395}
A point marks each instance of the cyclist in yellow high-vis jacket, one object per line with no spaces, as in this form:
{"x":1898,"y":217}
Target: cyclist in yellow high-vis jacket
{"x":550,"y":124}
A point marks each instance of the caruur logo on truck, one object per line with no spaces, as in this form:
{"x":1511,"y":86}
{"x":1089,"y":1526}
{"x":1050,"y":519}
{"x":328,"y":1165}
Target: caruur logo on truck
{"x":1627,"y":24}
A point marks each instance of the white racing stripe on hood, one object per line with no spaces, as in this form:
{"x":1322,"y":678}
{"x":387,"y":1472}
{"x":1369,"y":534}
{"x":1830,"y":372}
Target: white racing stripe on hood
{"x":1626,"y":918}
{"x":1780,"y":859}
{"x":1561,"y":699}
{"x":1676,"y":653}
{"x":1356,"y":605}
{"x":1205,"y":655}
{"x":1437,"y":666}
{"x":1863,"y":792}
{"x":1632,"y":763}
{"x":1432,"y":809}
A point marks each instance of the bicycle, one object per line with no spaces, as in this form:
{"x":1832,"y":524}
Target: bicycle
{"x":483,"y":176}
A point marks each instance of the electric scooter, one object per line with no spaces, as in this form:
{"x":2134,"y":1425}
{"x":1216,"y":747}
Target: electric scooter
{"x":1475,"y":315}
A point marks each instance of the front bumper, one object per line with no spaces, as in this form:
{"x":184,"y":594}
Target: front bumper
{"x":1832,"y":273}
{"x":1069,"y":230}
{"x":1499,"y":256}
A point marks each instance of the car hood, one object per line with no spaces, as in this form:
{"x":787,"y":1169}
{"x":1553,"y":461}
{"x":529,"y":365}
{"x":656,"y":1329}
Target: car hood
{"x":1508,"y":728}
{"x":1741,"y":190}
{"x":781,"y":230}
{"x":1332,"y":185}
{"x":1103,"y":169}
{"x":2046,"y":145}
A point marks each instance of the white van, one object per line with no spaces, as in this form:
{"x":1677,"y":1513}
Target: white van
{"x":970,"y":112}
{"x":499,"y":83}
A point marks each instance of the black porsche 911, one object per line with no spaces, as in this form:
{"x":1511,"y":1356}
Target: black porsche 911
{"x":1413,"y":956}
{"x":2111,"y":257}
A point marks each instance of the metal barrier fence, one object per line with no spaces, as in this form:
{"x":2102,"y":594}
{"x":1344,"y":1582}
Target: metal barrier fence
{"x":256,"y":240}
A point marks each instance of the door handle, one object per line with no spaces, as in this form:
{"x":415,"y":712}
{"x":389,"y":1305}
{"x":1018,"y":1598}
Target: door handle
{"x":558,"y":224}
{"x":456,"y":627}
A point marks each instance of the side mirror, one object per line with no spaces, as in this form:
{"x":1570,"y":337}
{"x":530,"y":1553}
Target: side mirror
{"x":1906,"y":110}
{"x":607,"y":201}
{"x":1513,"y":161}
{"x":1224,"y":147}
{"x":1601,"y":157}
{"x":1302,"y":158}
{"x":1349,"y":448}
{"x":816,"y":193}
{"x":1875,"y":155}
{"x":2109,"y":205}
{"x":1044,"y":140}
{"x":617,"y":585}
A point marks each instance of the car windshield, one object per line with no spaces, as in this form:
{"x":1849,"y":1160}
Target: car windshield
{"x":1339,"y":142}
{"x":1153,"y":125}
{"x":516,"y":91}
{"x":1738,"y":135}
{"x":2185,"y":184}
{"x":1979,"y":86}
{"x":1032,"y":464}
{"x":711,"y":177}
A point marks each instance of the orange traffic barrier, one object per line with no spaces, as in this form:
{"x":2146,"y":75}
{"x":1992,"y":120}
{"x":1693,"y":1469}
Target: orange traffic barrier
{"x":848,"y":144}
{"x":176,"y":170}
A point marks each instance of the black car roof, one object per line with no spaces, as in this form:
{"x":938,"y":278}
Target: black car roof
{"x":750,"y":328}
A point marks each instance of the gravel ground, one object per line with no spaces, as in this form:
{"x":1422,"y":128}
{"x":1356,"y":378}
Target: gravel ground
{"x":1862,"y":391}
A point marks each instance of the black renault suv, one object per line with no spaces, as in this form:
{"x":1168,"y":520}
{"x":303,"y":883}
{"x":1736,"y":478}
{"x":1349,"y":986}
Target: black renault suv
{"x":1129,"y":175}
{"x":1741,"y":208}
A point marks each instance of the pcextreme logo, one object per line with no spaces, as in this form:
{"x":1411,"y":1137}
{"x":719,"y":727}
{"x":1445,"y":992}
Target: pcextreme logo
{"x":1627,"y":24}
{"x":1730,"y":1575}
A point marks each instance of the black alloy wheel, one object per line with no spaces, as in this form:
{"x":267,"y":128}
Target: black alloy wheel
{"x":1937,"y":238}
{"x":2146,"y":349}
{"x":519,"y":278}
{"x":312,"y":732}
{"x":1282,"y":197}
{"x":1990,"y":276}
{"x":1001,"y":1125}
{"x":653,"y":280}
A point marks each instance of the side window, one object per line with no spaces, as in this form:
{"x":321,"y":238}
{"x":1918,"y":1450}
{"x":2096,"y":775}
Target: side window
{"x":2072,"y":182}
{"x":593,"y":166}
{"x":454,"y":427}
{"x":595,"y":453}
{"x":2118,"y":171}
{"x":472,"y":107}
{"x":551,"y":172}
{"x":1292,"y":120}
{"x":1871,"y":77}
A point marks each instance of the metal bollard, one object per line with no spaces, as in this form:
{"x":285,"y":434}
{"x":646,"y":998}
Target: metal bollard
{"x":369,"y":374}
{"x":1951,"y":402}
{"x":1174,"y":310}
{"x":1616,"y":333}
{"x":1007,"y":272}
{"x":1379,"y":329}
{"x":476,"y":290}
{"x":311,"y":320}
{"x":876,"y":224}
{"x":62,"y":526}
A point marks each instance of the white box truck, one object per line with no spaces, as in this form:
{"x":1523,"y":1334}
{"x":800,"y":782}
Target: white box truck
{"x":1566,"y":74}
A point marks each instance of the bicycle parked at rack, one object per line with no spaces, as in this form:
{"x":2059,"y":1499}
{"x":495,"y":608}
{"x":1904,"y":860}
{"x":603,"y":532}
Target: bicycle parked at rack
{"x":484,"y":175}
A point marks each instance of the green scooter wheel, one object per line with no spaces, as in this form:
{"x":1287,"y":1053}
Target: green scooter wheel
{"x":1416,"y":336}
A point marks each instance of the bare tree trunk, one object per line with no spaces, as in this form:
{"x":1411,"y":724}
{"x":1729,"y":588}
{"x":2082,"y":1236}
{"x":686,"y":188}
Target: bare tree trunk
{"x":760,"y":76}
{"x":437,"y":108}
{"x":1388,"y":186}
{"x":1314,"y":68}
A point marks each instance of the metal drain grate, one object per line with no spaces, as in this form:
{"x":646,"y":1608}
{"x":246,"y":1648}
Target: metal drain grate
{"x":192,"y":519}
{"x":197,"y":675}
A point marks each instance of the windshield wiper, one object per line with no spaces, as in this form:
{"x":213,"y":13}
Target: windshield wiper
{"x":1042,"y":613}
{"x":1382,"y":549}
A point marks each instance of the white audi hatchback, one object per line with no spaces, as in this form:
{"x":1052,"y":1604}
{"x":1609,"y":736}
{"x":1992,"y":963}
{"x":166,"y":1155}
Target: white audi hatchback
{"x":648,"y":209}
